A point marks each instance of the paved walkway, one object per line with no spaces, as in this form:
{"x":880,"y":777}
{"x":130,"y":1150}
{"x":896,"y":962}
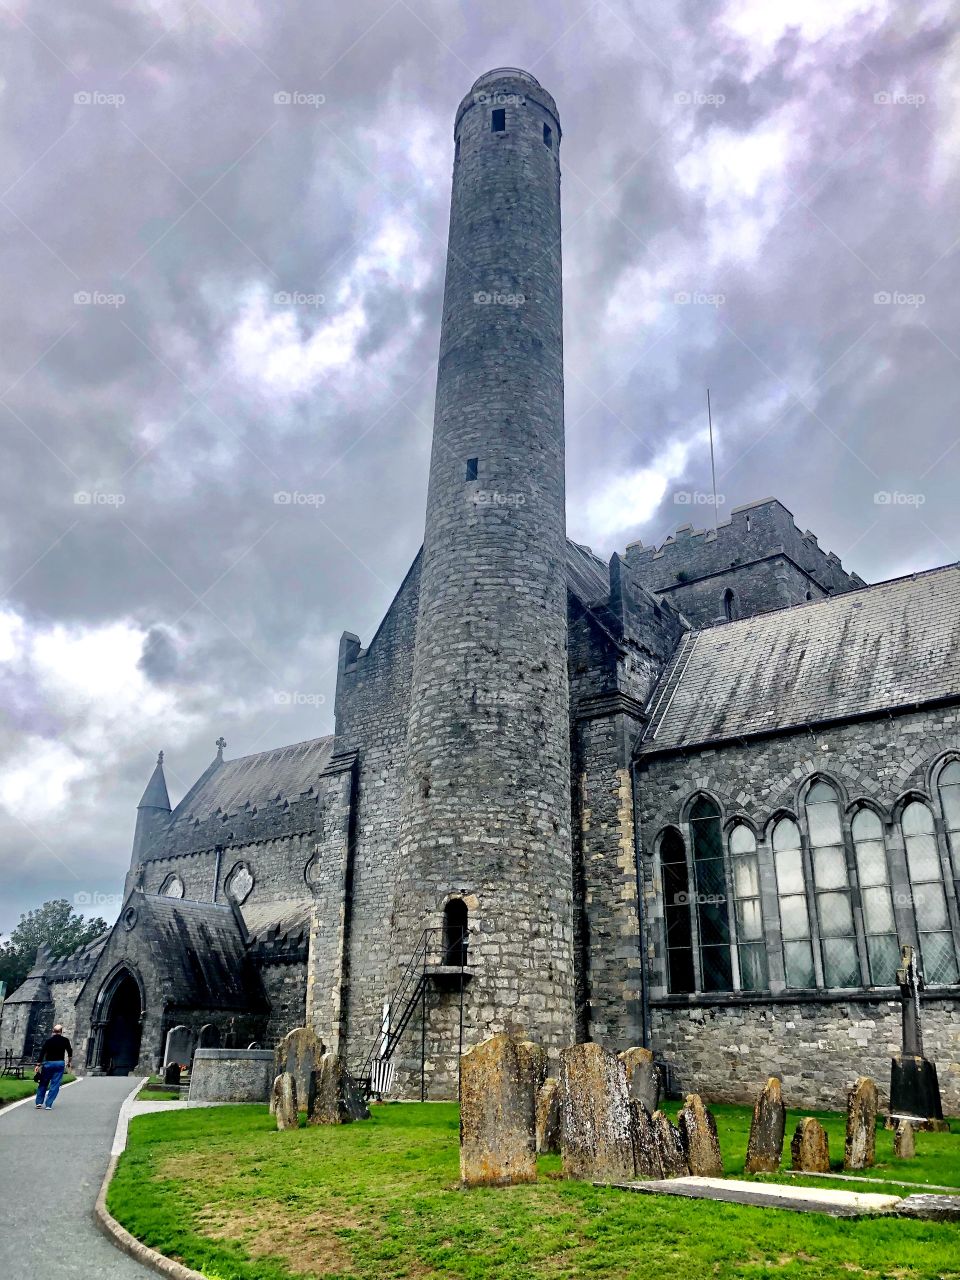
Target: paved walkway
{"x":51,"y":1167}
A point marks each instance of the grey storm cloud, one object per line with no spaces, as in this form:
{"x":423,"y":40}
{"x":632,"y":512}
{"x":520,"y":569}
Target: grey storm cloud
{"x":223,"y":247}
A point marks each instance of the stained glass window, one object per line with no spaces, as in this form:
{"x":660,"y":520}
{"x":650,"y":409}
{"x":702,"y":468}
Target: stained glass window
{"x":794,"y":916}
{"x":751,"y":947}
{"x":929,"y":900}
{"x":883,"y":951}
{"x":838,"y":939}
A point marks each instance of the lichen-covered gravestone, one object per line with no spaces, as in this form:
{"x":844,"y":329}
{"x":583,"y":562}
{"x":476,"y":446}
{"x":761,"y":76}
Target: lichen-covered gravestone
{"x":299,"y":1053}
{"x":809,"y":1150}
{"x":698,"y":1133}
{"x":548,"y":1118}
{"x":595,"y":1123}
{"x":332,"y":1097}
{"x":643,"y":1077}
{"x":646,"y":1151}
{"x":498,"y":1096}
{"x":860,"y":1147}
{"x":765,"y":1146}
{"x":285,"y":1101}
{"x":178,"y":1046}
{"x":670,"y":1151}
{"x":904,"y":1141}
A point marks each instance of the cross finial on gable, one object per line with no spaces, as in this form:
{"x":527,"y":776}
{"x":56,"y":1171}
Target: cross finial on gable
{"x":221,"y":743}
{"x":159,"y":757}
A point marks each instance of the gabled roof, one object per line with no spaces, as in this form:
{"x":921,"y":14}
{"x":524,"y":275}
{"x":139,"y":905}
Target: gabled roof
{"x":257,"y":780}
{"x":887,"y":647}
{"x":200,"y":952}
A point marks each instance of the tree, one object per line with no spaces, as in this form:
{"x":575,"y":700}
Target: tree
{"x":57,"y":925}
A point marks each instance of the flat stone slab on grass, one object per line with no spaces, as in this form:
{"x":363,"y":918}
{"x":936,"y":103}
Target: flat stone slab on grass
{"x":930,"y":1208}
{"x":838,"y":1204}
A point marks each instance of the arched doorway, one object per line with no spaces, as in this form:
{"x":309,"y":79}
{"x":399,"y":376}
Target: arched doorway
{"x":120,"y":1041}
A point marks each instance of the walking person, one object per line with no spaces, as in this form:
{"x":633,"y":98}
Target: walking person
{"x":55,"y":1058}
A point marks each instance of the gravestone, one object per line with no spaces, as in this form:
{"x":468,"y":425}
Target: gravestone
{"x":285,"y":1101}
{"x":646,"y":1151}
{"x":670,"y":1150}
{"x":171,"y":1074}
{"x":860,"y":1147}
{"x":498,"y":1098}
{"x":299,"y":1053}
{"x":596,"y":1139}
{"x":643,"y":1077}
{"x":904,"y":1140}
{"x":332,"y":1097}
{"x":209,"y":1037}
{"x":809,"y":1150}
{"x":548,"y":1118}
{"x":698,"y":1133}
{"x":765,"y":1145}
{"x":178,"y":1046}
{"x":914,"y":1087}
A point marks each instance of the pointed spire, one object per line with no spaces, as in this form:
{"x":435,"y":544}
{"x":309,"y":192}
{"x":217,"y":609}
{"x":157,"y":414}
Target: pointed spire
{"x":155,"y":796}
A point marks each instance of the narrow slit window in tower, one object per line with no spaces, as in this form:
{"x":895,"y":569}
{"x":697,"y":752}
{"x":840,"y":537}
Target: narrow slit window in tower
{"x":456,"y":149}
{"x":548,"y":136}
{"x":729,"y":605}
{"x":473,"y":468}
{"x":498,"y":120}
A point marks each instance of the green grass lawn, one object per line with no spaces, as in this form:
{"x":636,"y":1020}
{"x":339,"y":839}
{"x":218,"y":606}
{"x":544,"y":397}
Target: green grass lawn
{"x":156,"y":1091}
{"x":227,"y":1194}
{"x":13,"y":1090}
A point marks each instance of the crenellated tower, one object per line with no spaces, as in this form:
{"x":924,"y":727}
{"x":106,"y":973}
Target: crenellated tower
{"x":485,"y":810}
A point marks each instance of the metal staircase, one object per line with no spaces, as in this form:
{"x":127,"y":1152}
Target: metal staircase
{"x":411,"y":991}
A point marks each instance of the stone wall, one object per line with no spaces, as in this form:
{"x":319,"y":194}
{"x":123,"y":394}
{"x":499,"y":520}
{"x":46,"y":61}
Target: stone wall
{"x":726,"y":1052}
{"x":758,"y":587}
{"x":285,"y":982}
{"x":373,"y":698}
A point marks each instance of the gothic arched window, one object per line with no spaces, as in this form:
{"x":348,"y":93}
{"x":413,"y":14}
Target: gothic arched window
{"x":676,"y":910}
{"x":172,"y":887}
{"x":929,"y":900}
{"x":794,"y":915}
{"x":729,"y":605}
{"x":711,"y":887}
{"x":751,"y":947}
{"x":831,"y":878}
{"x":873,"y":872}
{"x":949,"y":787}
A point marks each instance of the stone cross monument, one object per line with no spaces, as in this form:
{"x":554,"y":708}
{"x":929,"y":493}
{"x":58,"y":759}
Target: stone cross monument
{"x":914,"y":1088}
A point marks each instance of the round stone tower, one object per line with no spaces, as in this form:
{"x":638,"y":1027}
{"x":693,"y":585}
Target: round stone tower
{"x":485,"y":815}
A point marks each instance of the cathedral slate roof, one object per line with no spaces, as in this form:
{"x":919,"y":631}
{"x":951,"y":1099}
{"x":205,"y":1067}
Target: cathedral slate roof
{"x":891,"y":646}
{"x":587,"y":575}
{"x":229,"y":786}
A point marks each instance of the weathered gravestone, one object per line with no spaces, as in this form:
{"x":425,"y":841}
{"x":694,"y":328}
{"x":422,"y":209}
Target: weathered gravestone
{"x":670,"y":1150}
{"x":698,"y":1133}
{"x":914,"y":1087}
{"x":285,"y":1101}
{"x":548,"y":1118}
{"x":332,"y":1097}
{"x":860,"y":1147}
{"x":171,"y":1074}
{"x":765,"y":1146}
{"x":809,"y":1150}
{"x":646,"y":1151}
{"x":299,"y":1054}
{"x":178,"y":1046}
{"x":596,"y":1139}
{"x":498,"y":1104}
{"x":904,"y":1140}
{"x":643,"y":1077}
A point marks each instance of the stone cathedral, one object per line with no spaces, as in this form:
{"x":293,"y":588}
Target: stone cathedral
{"x":693,"y":798}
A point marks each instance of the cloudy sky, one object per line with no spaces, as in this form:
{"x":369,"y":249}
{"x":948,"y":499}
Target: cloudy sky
{"x":212,"y":296}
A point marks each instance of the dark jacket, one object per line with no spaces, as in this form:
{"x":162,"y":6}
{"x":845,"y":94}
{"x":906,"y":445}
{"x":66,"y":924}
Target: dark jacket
{"x":56,"y":1048}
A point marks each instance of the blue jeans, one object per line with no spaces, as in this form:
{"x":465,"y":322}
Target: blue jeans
{"x":51,"y":1074}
